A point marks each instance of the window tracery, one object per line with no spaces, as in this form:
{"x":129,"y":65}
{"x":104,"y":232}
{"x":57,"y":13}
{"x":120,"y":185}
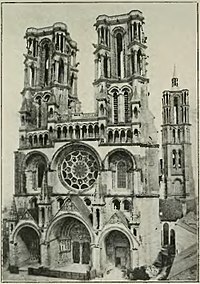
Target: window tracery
{"x":79,"y":169}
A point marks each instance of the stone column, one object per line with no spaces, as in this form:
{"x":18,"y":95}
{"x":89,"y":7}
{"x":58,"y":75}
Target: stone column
{"x":28,"y":76}
{"x":99,"y":68}
{"x":94,"y":219}
{"x":44,"y":254}
{"x":73,"y":133}
{"x":109,"y":67}
{"x":75,"y":86}
{"x":95,"y":257}
{"x":132,"y":31}
{"x":134,"y":258}
{"x":81,"y":133}
{"x":40,"y":217}
{"x":65,"y":79}
{"x":96,"y":68}
{"x":56,"y":71}
{"x":143,"y":65}
{"x":35,"y":76}
{"x":135,"y":61}
{"x":81,"y":253}
{"x":25,"y":77}
{"x":101,"y":75}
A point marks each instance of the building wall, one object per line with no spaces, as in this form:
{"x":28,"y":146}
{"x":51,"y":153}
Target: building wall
{"x":98,"y":169}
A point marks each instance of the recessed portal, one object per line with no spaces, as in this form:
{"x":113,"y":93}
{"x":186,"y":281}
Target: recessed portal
{"x":27,"y":247}
{"x":117,"y":249}
{"x":69,"y":243}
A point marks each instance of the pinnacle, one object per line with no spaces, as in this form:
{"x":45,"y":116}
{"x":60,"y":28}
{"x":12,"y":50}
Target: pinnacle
{"x":174,"y":72}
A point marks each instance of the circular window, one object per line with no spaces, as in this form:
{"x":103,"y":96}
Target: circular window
{"x":87,"y":201}
{"x":79,"y":169}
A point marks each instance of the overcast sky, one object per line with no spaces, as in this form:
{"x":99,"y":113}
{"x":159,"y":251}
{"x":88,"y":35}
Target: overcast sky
{"x":171,"y":32}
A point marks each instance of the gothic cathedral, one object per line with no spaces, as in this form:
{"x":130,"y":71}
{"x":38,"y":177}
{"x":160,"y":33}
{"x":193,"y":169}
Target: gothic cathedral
{"x":87,"y":184}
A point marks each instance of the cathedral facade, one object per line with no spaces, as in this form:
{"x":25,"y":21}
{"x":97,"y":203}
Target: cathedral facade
{"x":87,"y":184}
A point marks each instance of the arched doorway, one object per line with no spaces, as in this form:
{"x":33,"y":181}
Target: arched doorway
{"x":117,"y":249}
{"x":27,"y":247}
{"x":69,"y":243}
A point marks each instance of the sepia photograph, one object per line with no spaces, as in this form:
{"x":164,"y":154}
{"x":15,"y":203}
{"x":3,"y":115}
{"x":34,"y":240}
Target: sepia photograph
{"x":99,"y":141}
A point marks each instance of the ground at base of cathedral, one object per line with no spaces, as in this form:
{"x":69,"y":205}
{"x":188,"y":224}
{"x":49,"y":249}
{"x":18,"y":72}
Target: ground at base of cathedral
{"x":114,"y":274}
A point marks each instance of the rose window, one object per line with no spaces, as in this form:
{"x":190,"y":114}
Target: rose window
{"x":79,"y":169}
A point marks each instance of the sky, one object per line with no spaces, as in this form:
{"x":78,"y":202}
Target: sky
{"x":171,"y":32}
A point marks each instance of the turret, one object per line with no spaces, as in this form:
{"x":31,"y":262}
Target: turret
{"x":176,"y":141}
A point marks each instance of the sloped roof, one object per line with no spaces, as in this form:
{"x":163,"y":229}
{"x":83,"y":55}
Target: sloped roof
{"x":186,"y":260}
{"x":170,"y":209}
{"x":189,"y":222}
{"x":85,"y":212}
{"x":26,"y":105}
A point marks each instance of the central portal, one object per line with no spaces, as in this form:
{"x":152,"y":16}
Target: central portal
{"x":117,"y":249}
{"x":69,"y":243}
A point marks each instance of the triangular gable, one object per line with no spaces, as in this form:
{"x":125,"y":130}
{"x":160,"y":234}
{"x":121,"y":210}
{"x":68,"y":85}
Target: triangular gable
{"x":118,"y":217}
{"x":68,"y":206}
{"x":27,"y":216}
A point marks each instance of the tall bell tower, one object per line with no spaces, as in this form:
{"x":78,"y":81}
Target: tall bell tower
{"x":120,"y":66}
{"x":50,"y":80}
{"x":176,"y":143}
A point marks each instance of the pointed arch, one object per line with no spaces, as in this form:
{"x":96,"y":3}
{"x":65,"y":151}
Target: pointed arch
{"x":116,"y":136}
{"x":119,"y":54}
{"x":165,"y":234}
{"x":90,"y":131}
{"x":61,"y":71}
{"x":116,"y":204}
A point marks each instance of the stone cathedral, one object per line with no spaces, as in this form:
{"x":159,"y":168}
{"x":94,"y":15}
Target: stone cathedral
{"x":87,"y":184}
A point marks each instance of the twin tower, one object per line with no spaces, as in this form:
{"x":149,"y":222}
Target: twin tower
{"x":87,"y":184}
{"x":121,"y":116}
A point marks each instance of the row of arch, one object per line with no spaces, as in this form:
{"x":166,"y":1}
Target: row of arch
{"x":136,"y":61}
{"x":80,"y":132}
{"x":176,"y":135}
{"x":63,"y":230}
{"x":135,"y":31}
{"x":57,"y":73}
{"x":175,"y":115}
{"x":116,"y":203}
{"x":181,"y":99}
{"x":123,"y":136}
{"x":104,"y":35}
{"x":37,"y":140}
{"x":59,"y":40}
{"x":121,"y":205}
{"x":84,"y":132}
{"x":49,"y":71}
{"x":93,"y":131}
